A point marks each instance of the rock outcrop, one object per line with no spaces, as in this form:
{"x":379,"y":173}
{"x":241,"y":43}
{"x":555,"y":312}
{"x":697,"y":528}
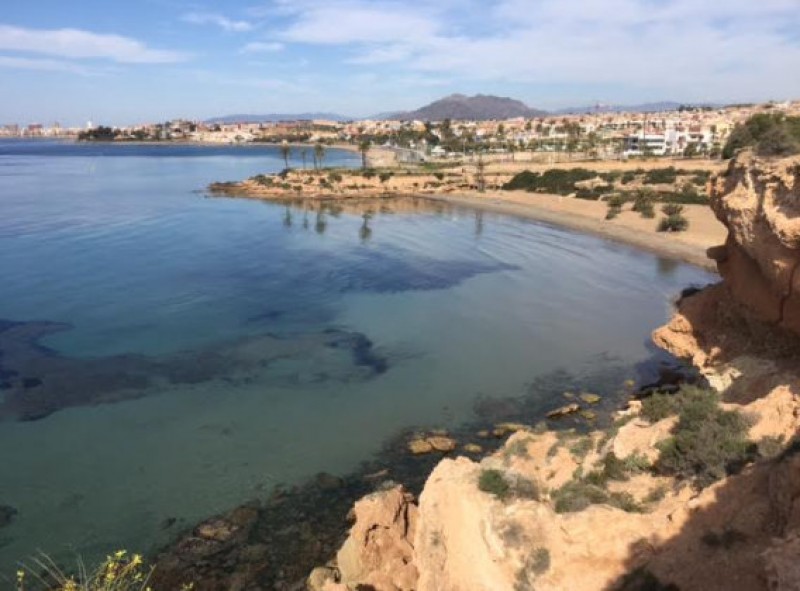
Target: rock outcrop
{"x":759,"y":202}
{"x":515,"y":530}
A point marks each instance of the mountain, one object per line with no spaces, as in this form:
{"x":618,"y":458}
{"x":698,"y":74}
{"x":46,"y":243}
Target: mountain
{"x":480,"y":107}
{"x":274,"y":117}
{"x":657,"y":107}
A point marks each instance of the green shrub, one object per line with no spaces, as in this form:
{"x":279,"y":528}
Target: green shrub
{"x":657,"y":494}
{"x":519,"y":447}
{"x":494,"y":482}
{"x":385,"y":176}
{"x":558,"y":181}
{"x":643,"y":203}
{"x":611,"y":177}
{"x":537,"y":563}
{"x":624,"y":501}
{"x":263,"y":180}
{"x":672,"y":209}
{"x":636,"y":463}
{"x":659,"y":406}
{"x":673,"y":223}
{"x":707,"y":443}
{"x":581,"y":447}
{"x":660,"y":176}
{"x":628,"y":177}
{"x":577,"y":495}
{"x":540,"y":561}
{"x":525,"y":488}
{"x":772,"y":134}
{"x":439,"y":175}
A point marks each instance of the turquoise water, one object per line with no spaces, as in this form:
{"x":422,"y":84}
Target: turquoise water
{"x":177,"y":354}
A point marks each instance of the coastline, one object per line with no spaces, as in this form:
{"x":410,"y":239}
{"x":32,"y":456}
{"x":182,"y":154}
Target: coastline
{"x":689,"y":247}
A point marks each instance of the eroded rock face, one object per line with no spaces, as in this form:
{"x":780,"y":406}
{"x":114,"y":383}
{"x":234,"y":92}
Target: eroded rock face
{"x":759,"y":202}
{"x":379,"y":551}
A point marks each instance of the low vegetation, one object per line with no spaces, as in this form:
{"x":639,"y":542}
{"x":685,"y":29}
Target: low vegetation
{"x":504,"y":486}
{"x":558,"y":181}
{"x":591,"y":489}
{"x":707,"y":442}
{"x":119,"y":572}
{"x":494,"y":483}
{"x":673,"y":220}
{"x":770,"y":134}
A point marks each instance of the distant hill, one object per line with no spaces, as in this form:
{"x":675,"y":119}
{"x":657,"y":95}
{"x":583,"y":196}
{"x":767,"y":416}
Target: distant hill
{"x":656,"y":107}
{"x":480,"y":107}
{"x":275,"y":117}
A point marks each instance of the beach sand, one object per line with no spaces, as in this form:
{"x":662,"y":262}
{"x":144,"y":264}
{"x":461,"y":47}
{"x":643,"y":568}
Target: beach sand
{"x":629,"y":227}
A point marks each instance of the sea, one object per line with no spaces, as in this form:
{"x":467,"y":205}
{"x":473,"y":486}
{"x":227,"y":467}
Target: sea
{"x":167,"y":354}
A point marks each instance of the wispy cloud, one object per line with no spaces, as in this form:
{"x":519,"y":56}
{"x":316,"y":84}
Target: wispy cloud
{"x":76,"y":43}
{"x":45,"y":65}
{"x":223,"y":22}
{"x":691,"y":48}
{"x":262,"y":47}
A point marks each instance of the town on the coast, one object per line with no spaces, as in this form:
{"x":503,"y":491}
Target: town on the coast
{"x":593,"y":133}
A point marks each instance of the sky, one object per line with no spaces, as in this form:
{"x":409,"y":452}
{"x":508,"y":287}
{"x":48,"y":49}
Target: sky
{"x":123,"y":62}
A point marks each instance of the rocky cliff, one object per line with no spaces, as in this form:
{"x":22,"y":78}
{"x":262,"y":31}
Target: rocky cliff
{"x":606,"y":510}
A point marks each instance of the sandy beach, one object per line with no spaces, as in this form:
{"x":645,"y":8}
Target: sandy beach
{"x":629,"y":227}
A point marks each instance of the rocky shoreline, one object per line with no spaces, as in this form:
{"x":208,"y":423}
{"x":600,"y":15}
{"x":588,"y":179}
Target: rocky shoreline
{"x":274,"y":543}
{"x":696,"y":489}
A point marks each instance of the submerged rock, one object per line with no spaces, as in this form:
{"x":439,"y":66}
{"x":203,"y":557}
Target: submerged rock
{"x":563,"y":411}
{"x":426,"y":445}
{"x":7,"y":514}
{"x":589,"y":398}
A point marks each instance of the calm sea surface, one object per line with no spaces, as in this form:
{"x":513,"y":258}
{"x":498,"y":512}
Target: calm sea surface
{"x":170,"y":355}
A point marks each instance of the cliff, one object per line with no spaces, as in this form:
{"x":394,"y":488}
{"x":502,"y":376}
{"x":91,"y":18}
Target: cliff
{"x":617,"y":509}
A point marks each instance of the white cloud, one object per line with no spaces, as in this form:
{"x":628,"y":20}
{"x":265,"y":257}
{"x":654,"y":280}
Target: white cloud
{"x":226,"y":24}
{"x":76,"y":43}
{"x":262,"y":47}
{"x":693,"y":49}
{"x":345,"y":22}
{"x":44,"y":65}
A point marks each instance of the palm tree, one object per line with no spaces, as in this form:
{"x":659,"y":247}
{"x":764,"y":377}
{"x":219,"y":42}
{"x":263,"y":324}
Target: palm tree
{"x":286,"y":151}
{"x":319,"y":154}
{"x":363,"y":147}
{"x":512,"y":148}
{"x":303,"y":154}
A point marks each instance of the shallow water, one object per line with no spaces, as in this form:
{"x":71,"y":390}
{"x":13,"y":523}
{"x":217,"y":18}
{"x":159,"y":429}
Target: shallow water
{"x":273,"y":344}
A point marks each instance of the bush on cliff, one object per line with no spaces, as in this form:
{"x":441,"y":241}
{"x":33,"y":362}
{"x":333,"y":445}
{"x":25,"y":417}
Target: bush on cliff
{"x":772,"y":134}
{"x":707,"y":443}
{"x":494,"y":483}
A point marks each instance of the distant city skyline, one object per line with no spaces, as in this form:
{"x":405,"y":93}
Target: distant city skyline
{"x":153,"y":60}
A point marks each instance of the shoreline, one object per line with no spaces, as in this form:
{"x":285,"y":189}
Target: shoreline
{"x":664,"y":244}
{"x":578,"y":215}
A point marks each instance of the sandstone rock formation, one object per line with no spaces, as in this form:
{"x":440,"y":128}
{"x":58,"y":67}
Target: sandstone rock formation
{"x":759,"y":202}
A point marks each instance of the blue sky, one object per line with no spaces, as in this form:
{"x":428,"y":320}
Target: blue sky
{"x":149,"y":60}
